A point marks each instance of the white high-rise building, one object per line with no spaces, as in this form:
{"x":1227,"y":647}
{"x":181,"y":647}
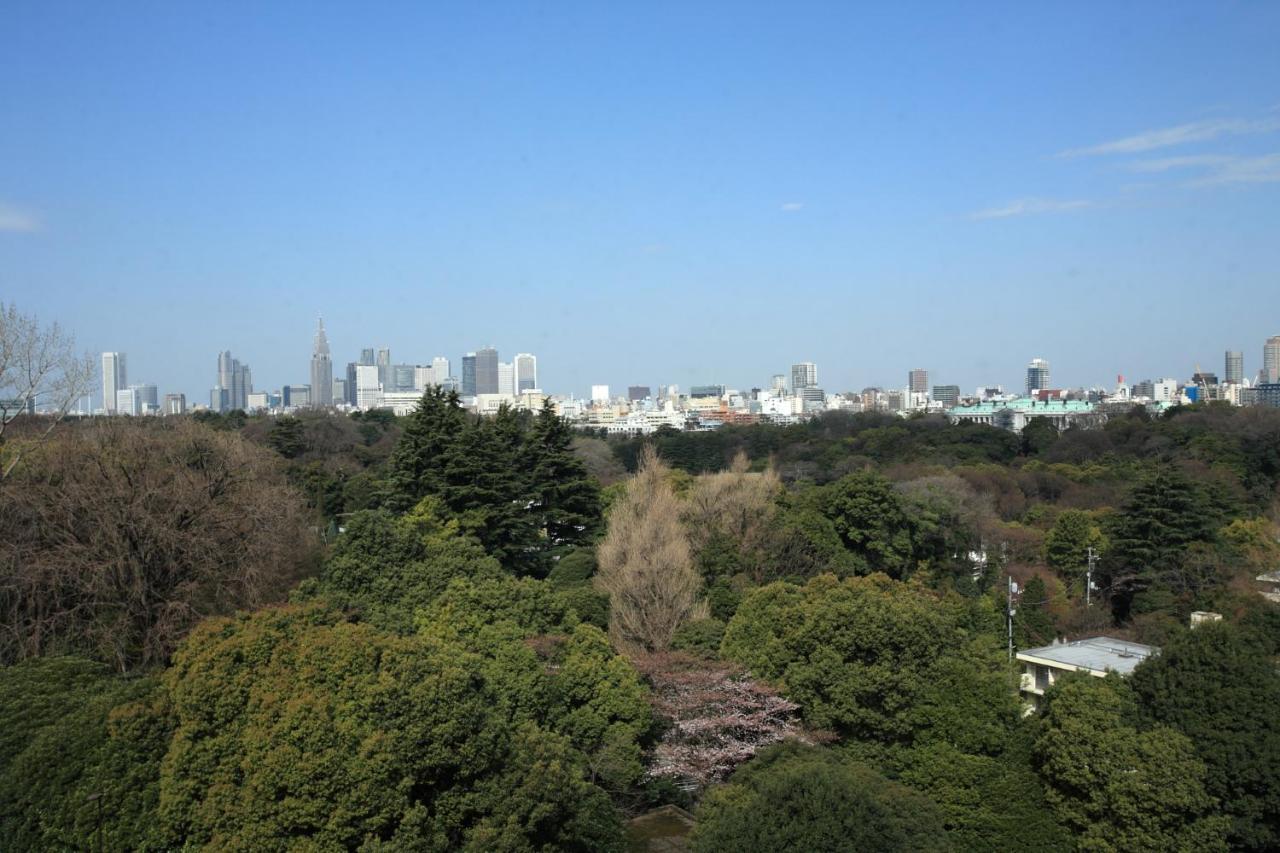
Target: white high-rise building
{"x":368,"y":388}
{"x":506,"y":379}
{"x":803,"y":375}
{"x":599,"y":393}
{"x":114,"y":380}
{"x":526,"y":366}
{"x":1037,"y":376}
{"x":440,"y":369}
{"x":128,"y":402}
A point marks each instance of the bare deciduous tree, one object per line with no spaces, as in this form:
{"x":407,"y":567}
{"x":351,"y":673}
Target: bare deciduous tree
{"x":39,"y":370}
{"x":645,"y":563}
{"x":117,"y":537}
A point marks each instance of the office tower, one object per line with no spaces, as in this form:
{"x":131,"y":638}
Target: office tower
{"x":259,"y":401}
{"x":778,"y":385}
{"x":947,"y":395}
{"x":526,"y":372}
{"x":114,"y":379}
{"x":148,"y":398}
{"x":636,"y":393}
{"x":401,"y":378}
{"x":384,"y":367}
{"x":321,"y":370}
{"x":175,"y":404}
{"x":366,"y":357}
{"x":339,"y":391}
{"x":803,"y":375}
{"x":918,"y":381}
{"x":1235,"y":367}
{"x":368,"y":390}
{"x":351,"y":382}
{"x":1037,"y":376}
{"x":704,"y":391}
{"x":297,"y":396}
{"x":423,"y":377}
{"x":599,"y":393}
{"x":128,"y":402}
{"x":469,"y":375}
{"x":487,"y":371}
{"x":506,"y":379}
{"x":1271,"y":360}
{"x":440,"y":370}
{"x":233,"y":378}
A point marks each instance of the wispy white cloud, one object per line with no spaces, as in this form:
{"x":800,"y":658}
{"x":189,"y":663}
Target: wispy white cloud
{"x":1193,"y":161}
{"x":1243,"y":170}
{"x":16,"y":219}
{"x":1165,"y":137}
{"x":792,"y":206}
{"x":1028,"y":206}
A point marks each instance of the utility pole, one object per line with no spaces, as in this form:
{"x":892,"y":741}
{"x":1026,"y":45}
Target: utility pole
{"x":1088,"y":578}
{"x":1009,"y":614}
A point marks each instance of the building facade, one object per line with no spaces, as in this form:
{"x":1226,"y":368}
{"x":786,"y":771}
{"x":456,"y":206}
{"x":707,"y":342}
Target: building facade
{"x":1037,"y":376}
{"x":1271,"y":360}
{"x":321,"y":370}
{"x":114,"y":379}
{"x":526,"y":367}
{"x":918,"y":381}
{"x":803,"y":375}
{"x":1234,"y":364}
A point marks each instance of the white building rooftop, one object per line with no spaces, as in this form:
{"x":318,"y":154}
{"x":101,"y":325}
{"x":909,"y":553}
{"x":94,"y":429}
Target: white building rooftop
{"x":1096,"y":654}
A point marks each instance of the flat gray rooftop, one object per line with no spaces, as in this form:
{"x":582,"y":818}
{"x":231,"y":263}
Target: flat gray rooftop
{"x":1099,"y":654}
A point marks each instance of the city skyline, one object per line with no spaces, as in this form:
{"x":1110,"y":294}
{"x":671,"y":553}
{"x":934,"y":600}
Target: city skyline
{"x":1071,"y":181}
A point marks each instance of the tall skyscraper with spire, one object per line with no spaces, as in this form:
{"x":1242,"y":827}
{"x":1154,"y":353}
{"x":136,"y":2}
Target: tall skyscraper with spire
{"x":321,"y":371}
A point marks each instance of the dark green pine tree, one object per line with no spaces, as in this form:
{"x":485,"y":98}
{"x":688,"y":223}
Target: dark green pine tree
{"x":1165,"y":513}
{"x":485,"y":489}
{"x":565,"y":498}
{"x":1033,"y":626}
{"x":287,"y":438}
{"x":416,"y":467}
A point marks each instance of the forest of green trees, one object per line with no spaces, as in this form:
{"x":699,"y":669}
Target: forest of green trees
{"x":442,"y":632}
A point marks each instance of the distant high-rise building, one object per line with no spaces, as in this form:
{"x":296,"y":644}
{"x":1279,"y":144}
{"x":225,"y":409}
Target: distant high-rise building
{"x":947,"y":395}
{"x":1234,"y":372}
{"x":704,"y":391}
{"x":148,"y":398}
{"x":468,"y":375}
{"x":351,"y":381}
{"x":128,"y":402}
{"x":440,"y":370}
{"x":1271,"y":360}
{"x":114,"y":379}
{"x":401,"y":378}
{"x":526,"y":367}
{"x":321,"y":371}
{"x":599,"y":393}
{"x":367,"y":357}
{"x":803,"y":375}
{"x":339,"y":391}
{"x":235,"y":379}
{"x":778,"y":384}
{"x":384,"y":368}
{"x":487,"y":371}
{"x":635,"y":393}
{"x":1037,"y":375}
{"x":175,"y":404}
{"x":297,"y":396}
{"x":918,"y":381}
{"x":368,"y":389}
{"x":506,"y":379}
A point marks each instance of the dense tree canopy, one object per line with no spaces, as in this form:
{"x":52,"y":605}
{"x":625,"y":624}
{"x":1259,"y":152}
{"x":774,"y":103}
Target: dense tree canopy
{"x":796,"y":799}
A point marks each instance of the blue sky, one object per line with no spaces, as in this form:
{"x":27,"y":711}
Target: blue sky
{"x":648,"y":193}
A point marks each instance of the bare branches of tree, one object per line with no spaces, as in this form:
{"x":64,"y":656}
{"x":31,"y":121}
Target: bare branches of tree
{"x":39,"y":371}
{"x":645,"y":563}
{"x":116,"y":537}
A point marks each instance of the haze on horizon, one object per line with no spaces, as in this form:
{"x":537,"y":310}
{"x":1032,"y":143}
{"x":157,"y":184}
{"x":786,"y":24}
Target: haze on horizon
{"x":649,"y":193}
